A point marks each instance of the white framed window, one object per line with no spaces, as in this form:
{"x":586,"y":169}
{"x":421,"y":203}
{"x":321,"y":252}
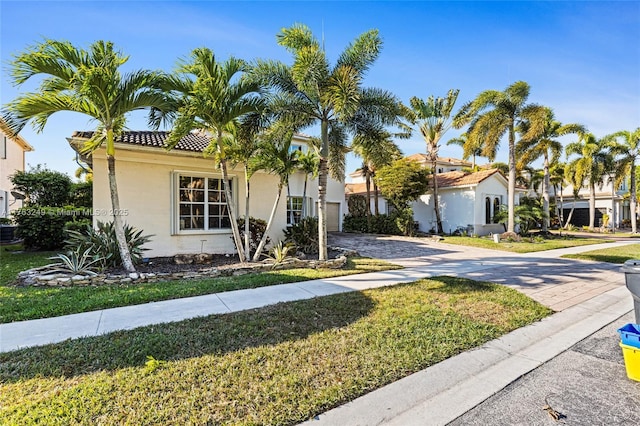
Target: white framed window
{"x":297,"y":147}
{"x":297,"y":208}
{"x":200,"y":203}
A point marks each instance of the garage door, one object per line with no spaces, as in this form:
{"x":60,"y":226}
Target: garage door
{"x":333,"y":217}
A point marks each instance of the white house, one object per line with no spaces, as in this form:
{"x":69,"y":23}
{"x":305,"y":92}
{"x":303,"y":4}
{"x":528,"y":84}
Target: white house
{"x":609,"y":200}
{"x":12,"y":159}
{"x":178,"y":197}
{"x":468,"y":200}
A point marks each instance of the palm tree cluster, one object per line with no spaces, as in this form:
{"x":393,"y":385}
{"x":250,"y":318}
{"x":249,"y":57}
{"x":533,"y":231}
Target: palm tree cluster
{"x":250,"y":111}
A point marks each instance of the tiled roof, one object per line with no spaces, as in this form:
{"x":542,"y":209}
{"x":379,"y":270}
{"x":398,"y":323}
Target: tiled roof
{"x":356,"y":188}
{"x":4,"y":128}
{"x":191,"y":142}
{"x":460,"y":178}
{"x":422,"y":158}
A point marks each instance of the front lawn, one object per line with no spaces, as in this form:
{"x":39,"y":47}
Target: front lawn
{"x":280,"y":364}
{"x":611,"y":255}
{"x":23,"y":303}
{"x":527,"y":245}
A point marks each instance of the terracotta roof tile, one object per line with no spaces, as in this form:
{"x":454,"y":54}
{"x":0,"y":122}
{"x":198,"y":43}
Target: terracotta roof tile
{"x":191,"y":142}
{"x":356,"y":188}
{"x":460,"y":178}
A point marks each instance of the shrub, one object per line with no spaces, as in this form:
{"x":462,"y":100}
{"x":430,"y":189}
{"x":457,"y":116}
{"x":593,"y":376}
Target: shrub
{"x":81,"y":194}
{"x":42,"y":186}
{"x":103,"y":245}
{"x":42,"y":228}
{"x":76,"y":225}
{"x":376,"y":224}
{"x":75,"y":262}
{"x":358,"y":205}
{"x":404,"y":220}
{"x":304,"y":235}
{"x":256,"y":231}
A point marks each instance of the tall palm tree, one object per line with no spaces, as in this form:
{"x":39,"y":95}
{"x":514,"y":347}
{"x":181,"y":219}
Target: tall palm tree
{"x":539,"y":132}
{"x":88,"y":82}
{"x":492,"y":114}
{"x":277,"y":157}
{"x":593,"y":164}
{"x":215,"y":97}
{"x":311,"y":91}
{"x":434,"y":119}
{"x":626,"y":145}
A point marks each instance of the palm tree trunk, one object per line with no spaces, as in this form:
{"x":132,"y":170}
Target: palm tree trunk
{"x":322,"y":191}
{"x":376,"y":206}
{"x":592,"y":206}
{"x":247,"y":228}
{"x":118,"y":226}
{"x":511,"y":194}
{"x":232,"y":212}
{"x":545,"y":195}
{"x":368,"y":184}
{"x":632,"y":198}
{"x":304,"y":196}
{"x":263,"y":240}
{"x":290,"y":204}
{"x":436,"y":202}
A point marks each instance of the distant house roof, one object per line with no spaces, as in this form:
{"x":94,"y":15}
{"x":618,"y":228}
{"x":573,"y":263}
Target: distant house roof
{"x":423,"y":158}
{"x":194,"y":142}
{"x":17,"y":138}
{"x":445,"y":180}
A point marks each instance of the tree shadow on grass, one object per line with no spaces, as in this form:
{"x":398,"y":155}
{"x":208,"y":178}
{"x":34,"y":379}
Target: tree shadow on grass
{"x":216,"y":334}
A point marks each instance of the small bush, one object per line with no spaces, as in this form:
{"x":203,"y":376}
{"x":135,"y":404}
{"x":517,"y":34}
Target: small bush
{"x":256,"y":231}
{"x":76,"y":224}
{"x":404,"y":221}
{"x":42,"y":228}
{"x":304,"y":235}
{"x":103,"y":245}
{"x":379,"y":224}
{"x":353,"y":223}
{"x":358,"y":205}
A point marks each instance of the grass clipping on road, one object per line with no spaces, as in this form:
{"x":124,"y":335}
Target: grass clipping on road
{"x":280,"y":364}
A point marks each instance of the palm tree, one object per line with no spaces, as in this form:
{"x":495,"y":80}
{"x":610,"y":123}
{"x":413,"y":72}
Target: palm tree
{"x":492,"y":114}
{"x":242,"y":151}
{"x":539,"y":132}
{"x":591,"y":167}
{"x":377,"y":149}
{"x":626,"y":145}
{"x":88,"y":82}
{"x":308,"y":163}
{"x":470,"y":148}
{"x":216,"y":101}
{"x":276,"y":156}
{"x":434,"y":116}
{"x":557,"y":180}
{"x":571,"y":176}
{"x":311,"y":91}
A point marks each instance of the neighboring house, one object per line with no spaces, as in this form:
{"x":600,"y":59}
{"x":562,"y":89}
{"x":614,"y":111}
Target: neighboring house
{"x":178,"y":197}
{"x":12,"y":159}
{"x":468,"y":200}
{"x":358,"y":184}
{"x":609,"y":201}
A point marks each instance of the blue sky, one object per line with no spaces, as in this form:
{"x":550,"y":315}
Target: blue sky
{"x":580,"y":58}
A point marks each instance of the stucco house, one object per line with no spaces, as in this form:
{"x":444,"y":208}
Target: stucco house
{"x":13,"y":150}
{"x":467,"y":200}
{"x":178,"y":197}
{"x":609,"y":201}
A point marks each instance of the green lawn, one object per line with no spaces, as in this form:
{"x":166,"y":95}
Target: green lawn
{"x":611,"y":255}
{"x":281,"y":364}
{"x":525,"y":246}
{"x":22,"y":303}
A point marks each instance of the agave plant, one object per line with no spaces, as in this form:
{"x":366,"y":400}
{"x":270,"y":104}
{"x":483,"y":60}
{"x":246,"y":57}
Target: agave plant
{"x":103,"y":245}
{"x":280,"y":252}
{"x":76,"y":263}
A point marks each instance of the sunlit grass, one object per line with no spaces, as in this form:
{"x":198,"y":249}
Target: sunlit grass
{"x":280,"y":364}
{"x":527,"y":245}
{"x":611,"y":255}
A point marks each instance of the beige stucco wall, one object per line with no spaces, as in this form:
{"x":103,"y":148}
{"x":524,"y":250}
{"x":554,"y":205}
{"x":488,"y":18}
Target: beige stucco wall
{"x":14,"y":161}
{"x":144,"y":177}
